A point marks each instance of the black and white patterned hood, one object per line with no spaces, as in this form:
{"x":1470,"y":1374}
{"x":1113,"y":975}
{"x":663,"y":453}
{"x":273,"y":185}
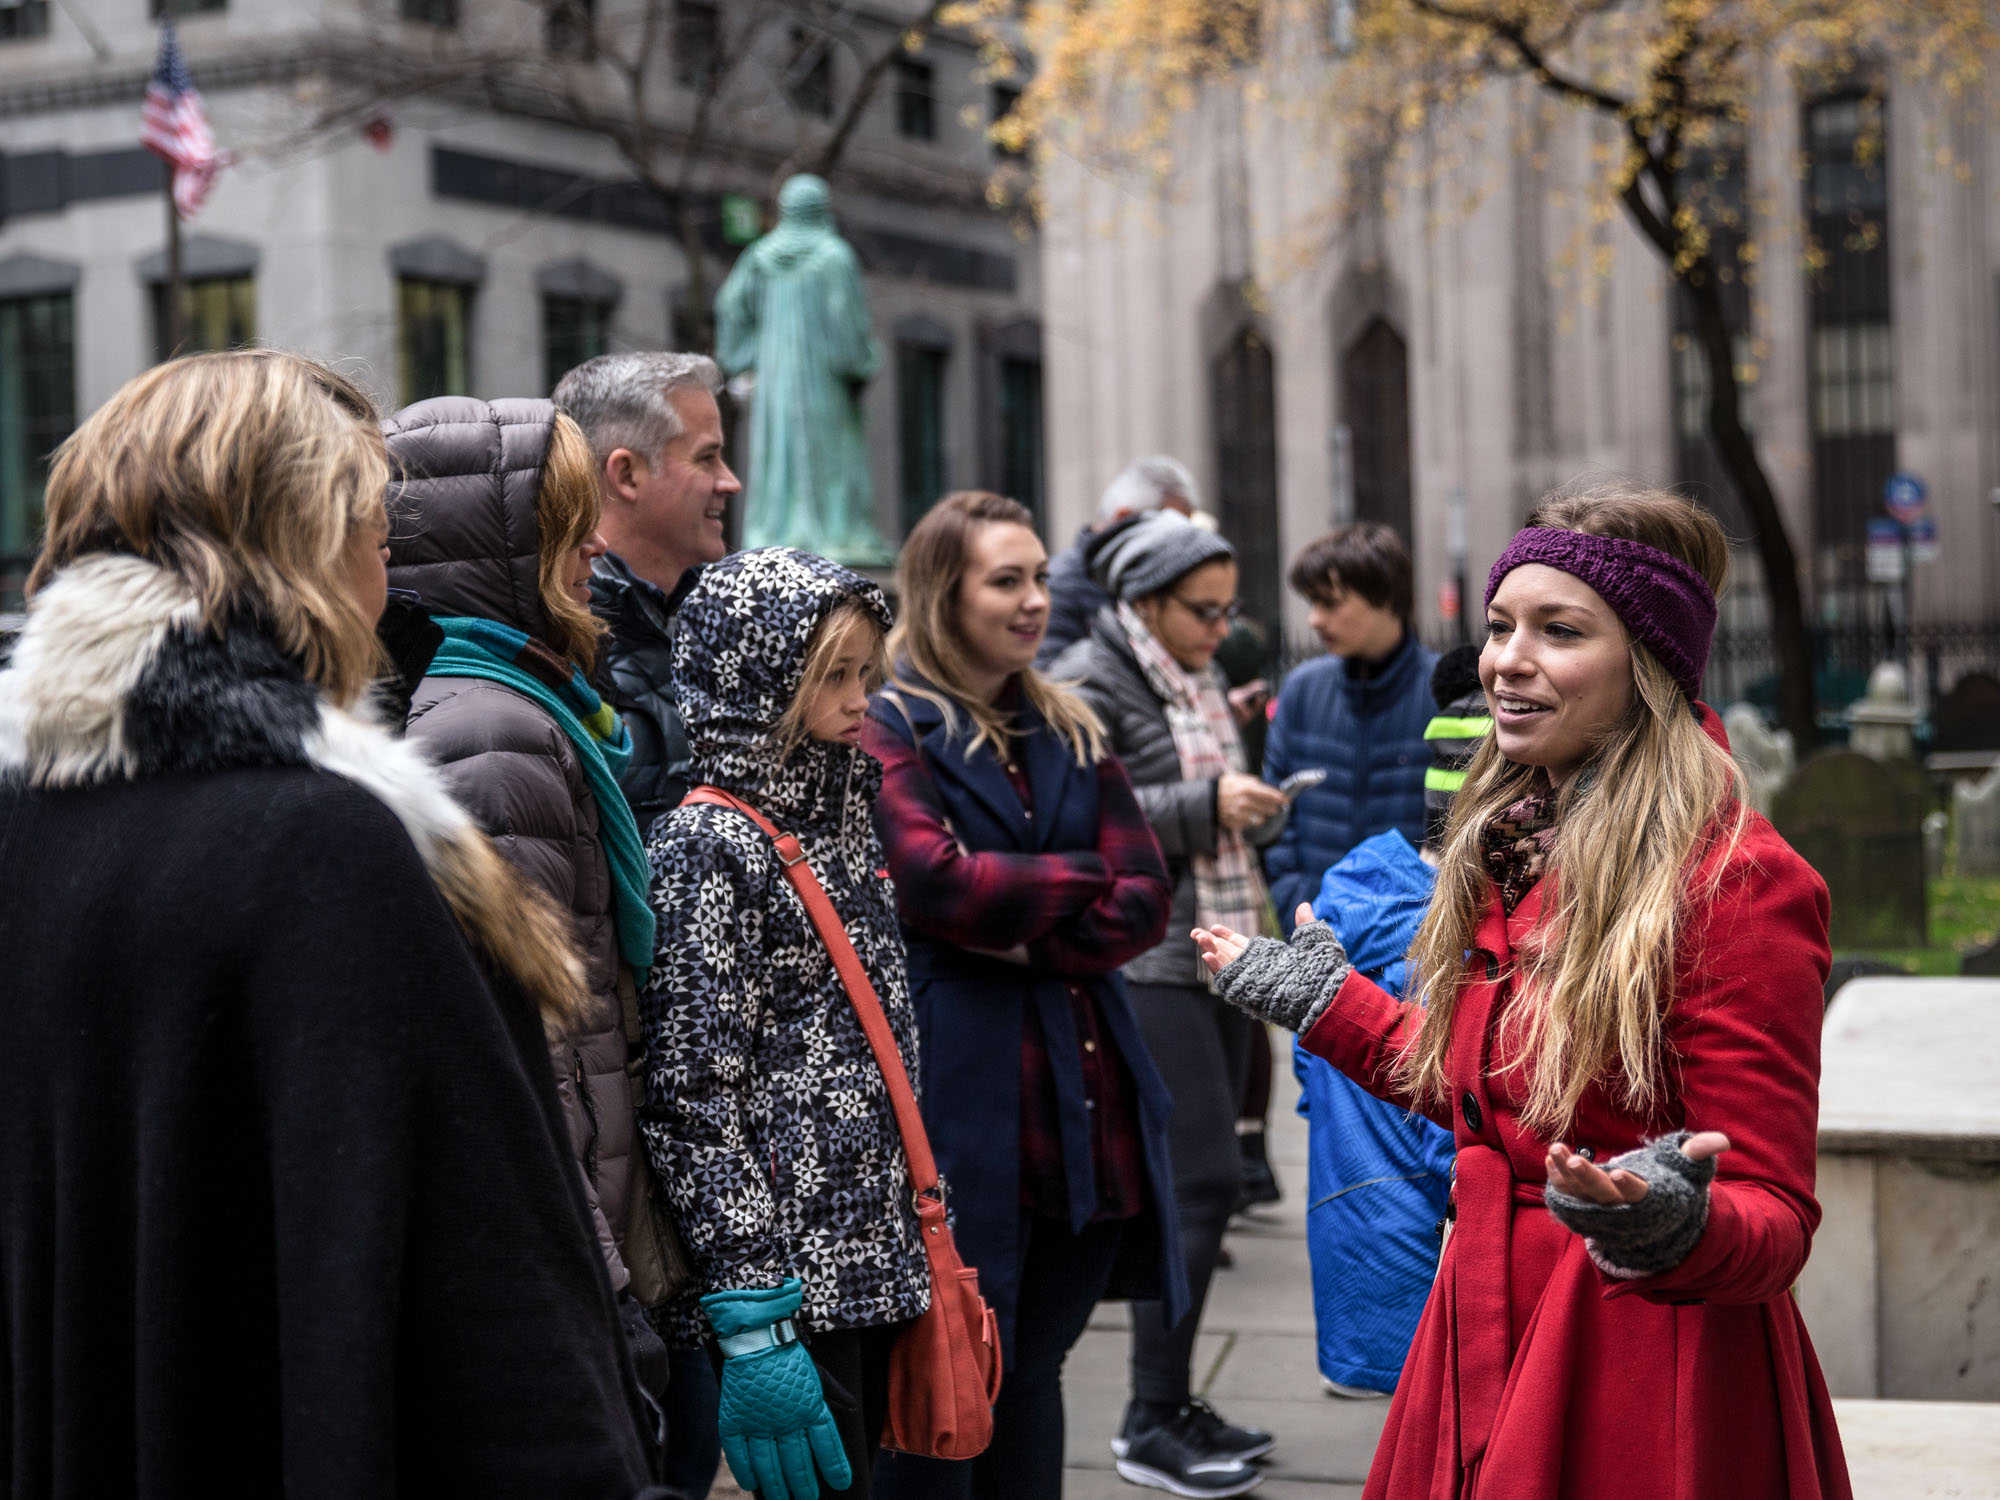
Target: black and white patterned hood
{"x":740,"y":643}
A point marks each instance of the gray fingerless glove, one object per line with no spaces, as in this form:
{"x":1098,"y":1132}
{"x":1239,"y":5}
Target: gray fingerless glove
{"x":1629,"y":1240}
{"x":1290,"y":983}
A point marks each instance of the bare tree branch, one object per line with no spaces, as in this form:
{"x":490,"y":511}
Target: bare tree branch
{"x":823,"y":158}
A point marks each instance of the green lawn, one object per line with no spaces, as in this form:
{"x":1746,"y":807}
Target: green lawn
{"x":1964,"y":914}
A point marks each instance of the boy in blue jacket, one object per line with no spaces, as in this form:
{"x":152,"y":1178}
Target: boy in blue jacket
{"x":1378,"y":1177}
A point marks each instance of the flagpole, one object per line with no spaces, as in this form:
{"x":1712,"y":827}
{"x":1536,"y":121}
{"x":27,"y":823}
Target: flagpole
{"x":175,"y":331}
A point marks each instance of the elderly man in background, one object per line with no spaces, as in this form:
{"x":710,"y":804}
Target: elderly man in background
{"x":656,"y":432}
{"x":1143,"y":486}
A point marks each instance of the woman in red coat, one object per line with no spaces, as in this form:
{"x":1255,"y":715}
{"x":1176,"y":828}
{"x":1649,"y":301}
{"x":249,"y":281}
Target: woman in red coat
{"x":1623,"y":966}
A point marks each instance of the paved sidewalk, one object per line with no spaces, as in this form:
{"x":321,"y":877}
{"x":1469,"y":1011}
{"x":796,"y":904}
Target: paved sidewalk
{"x":1254,"y":1358}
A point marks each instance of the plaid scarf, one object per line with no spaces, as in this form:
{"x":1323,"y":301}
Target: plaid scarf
{"x":1227,"y":888}
{"x":1516,"y":845}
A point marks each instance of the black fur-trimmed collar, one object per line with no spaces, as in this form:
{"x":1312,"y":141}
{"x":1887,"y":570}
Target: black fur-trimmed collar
{"x":114,"y":677}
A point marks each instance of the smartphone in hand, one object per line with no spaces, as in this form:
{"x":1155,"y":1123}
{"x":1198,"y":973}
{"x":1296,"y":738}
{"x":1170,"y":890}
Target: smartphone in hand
{"x":1299,"y":781}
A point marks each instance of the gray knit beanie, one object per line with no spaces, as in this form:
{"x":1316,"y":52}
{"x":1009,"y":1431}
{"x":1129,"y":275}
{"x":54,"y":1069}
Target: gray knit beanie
{"x":1154,"y":551}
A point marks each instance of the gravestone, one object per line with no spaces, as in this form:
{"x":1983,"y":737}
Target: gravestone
{"x":1859,"y":822}
{"x":1883,"y":724}
{"x":1765,"y":755}
{"x":1976,"y":811}
{"x":1936,"y":829}
{"x":1968,"y":717}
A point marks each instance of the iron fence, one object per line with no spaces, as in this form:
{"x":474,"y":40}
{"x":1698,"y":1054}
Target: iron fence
{"x":1743,"y":662}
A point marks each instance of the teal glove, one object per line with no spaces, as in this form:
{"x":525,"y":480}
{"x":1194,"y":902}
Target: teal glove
{"x":774,"y":1422}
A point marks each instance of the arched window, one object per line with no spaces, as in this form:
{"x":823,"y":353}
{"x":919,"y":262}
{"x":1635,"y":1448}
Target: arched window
{"x":1375,"y":405}
{"x":1244,"y":417}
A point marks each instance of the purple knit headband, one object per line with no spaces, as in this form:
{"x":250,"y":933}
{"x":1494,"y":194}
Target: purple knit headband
{"x":1662,"y":600}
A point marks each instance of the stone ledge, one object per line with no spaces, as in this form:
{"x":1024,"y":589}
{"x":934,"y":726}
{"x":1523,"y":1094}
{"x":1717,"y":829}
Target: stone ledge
{"x":1901,"y":1450}
{"x":1911,"y":1067}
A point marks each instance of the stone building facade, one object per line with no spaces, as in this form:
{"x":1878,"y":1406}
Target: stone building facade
{"x":458,"y":246}
{"x":1440,"y":363}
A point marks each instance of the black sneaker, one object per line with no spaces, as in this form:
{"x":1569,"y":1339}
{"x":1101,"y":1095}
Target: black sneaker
{"x":1221,"y":1436}
{"x":1174,"y":1457}
{"x":1245,"y":1443}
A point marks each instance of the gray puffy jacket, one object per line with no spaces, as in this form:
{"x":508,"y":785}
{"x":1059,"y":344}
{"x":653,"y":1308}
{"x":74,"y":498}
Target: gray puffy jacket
{"x":464,"y":538}
{"x":1182,"y":812}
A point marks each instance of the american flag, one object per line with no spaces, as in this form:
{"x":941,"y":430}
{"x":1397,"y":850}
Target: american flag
{"x":174,"y":126}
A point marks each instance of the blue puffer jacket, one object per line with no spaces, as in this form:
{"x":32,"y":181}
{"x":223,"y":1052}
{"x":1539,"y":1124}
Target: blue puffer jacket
{"x":1377,"y":1177}
{"x":1369,"y":738}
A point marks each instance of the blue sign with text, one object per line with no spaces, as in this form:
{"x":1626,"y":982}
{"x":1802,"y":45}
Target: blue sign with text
{"x":1904,"y":495}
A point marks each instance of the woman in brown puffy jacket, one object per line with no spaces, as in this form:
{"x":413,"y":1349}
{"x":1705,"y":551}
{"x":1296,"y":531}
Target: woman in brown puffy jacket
{"x":494,"y":513}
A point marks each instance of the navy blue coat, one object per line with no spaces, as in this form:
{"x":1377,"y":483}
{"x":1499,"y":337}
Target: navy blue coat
{"x":970,"y":1008}
{"x":1369,"y":738}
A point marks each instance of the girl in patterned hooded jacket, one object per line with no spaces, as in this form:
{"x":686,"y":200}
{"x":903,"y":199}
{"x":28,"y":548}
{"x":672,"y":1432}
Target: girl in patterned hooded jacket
{"x":766,"y":1118}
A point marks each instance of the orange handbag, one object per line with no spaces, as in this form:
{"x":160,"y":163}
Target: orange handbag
{"x":944,"y":1372}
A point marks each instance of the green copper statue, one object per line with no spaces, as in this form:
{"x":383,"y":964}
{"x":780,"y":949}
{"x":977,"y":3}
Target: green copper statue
{"x":794,"y":311}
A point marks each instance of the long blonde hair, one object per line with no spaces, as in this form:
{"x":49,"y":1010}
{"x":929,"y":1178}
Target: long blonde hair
{"x":829,"y":637}
{"x":246,"y":474}
{"x":1596,"y":976}
{"x":568,"y":507}
{"x":928,"y":643}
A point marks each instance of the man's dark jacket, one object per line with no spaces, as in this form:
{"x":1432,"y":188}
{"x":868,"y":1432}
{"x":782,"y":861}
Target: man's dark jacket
{"x":1074,"y":598}
{"x":638,"y":668}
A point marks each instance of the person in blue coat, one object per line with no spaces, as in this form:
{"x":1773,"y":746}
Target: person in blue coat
{"x":1357,"y":714}
{"x":1378,"y":1177}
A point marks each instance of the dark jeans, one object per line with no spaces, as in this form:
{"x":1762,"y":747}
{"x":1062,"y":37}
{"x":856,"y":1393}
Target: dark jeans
{"x":694,"y":1448}
{"x":1062,"y":1277}
{"x":1257,"y":1079}
{"x":1202,"y":1049}
{"x":853,"y":1365}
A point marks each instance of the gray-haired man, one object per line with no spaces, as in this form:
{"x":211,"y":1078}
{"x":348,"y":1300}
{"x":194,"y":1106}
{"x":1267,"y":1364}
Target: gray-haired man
{"x":1147,"y":484}
{"x":656,"y":432}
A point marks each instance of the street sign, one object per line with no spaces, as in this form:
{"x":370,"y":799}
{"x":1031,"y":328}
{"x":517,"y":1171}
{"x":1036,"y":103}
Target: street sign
{"x":1923,"y":540}
{"x":742,"y":219}
{"x":1904,"y":494}
{"x":1885,"y":551}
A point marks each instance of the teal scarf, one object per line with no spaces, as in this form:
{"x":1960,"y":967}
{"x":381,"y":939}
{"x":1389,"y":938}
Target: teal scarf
{"x":488,"y":649}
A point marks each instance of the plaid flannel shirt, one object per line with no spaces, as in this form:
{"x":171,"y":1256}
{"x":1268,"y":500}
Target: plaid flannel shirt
{"x":1077,"y":913}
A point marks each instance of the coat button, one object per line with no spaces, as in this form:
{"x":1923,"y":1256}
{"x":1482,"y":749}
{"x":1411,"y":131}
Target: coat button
{"x":1470,"y":1107}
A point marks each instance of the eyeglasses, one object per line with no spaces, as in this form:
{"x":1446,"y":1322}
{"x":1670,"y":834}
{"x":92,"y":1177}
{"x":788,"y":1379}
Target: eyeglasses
{"x":1211,"y":614}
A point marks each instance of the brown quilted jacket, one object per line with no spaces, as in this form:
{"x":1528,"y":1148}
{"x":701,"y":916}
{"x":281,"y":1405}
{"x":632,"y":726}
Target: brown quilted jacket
{"x":463,"y":535}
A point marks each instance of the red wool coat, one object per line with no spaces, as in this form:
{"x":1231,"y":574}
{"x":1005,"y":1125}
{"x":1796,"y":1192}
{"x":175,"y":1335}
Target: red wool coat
{"x":1534,"y":1376}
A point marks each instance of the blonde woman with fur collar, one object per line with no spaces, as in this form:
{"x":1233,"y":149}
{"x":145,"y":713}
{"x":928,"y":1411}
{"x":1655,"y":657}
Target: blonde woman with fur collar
{"x":283,"y":1200}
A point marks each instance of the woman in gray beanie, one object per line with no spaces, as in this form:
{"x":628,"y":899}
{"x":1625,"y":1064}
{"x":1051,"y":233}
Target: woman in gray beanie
{"x":1147,"y":667}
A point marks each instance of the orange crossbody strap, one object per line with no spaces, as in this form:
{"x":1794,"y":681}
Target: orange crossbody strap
{"x":860,"y":991}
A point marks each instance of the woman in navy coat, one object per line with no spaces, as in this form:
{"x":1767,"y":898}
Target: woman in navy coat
{"x":1025,"y":875}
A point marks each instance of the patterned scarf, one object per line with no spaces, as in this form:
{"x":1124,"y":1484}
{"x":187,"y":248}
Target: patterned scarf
{"x":499,"y":653}
{"x":1516,"y":845}
{"x":1227,"y":888}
